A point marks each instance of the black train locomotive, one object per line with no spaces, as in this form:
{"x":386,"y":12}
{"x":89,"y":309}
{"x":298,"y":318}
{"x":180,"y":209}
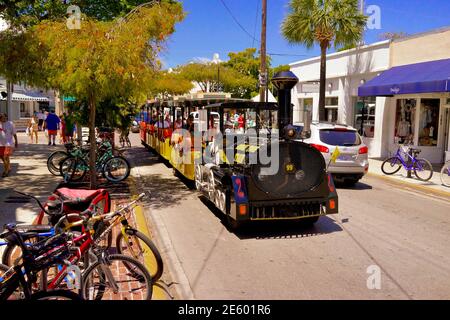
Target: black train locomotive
{"x":300,"y":189}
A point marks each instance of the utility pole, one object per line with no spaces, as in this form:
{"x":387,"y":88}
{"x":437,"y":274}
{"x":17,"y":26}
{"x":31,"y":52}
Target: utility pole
{"x":263,"y":74}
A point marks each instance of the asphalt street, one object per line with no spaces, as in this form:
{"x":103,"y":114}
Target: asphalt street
{"x":381,"y":226}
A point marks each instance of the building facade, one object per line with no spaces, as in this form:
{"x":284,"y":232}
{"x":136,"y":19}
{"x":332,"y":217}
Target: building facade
{"x":25,"y":102}
{"x":346,"y":71}
{"x":383,"y":119}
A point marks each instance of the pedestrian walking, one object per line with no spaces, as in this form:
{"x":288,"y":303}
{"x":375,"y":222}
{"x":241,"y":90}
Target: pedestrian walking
{"x":41,"y":118}
{"x":69,"y":127}
{"x":33,"y":128}
{"x":52,"y":124}
{"x":62,"y":137}
{"x":7,"y":134}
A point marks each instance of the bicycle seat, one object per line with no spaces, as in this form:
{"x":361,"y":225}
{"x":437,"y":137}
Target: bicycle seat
{"x":415,"y":151}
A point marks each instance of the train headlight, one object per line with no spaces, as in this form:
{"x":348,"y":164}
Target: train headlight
{"x":300,"y":175}
{"x":291,"y":133}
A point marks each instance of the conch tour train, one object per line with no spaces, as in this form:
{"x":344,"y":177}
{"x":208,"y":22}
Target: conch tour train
{"x":245,"y":157}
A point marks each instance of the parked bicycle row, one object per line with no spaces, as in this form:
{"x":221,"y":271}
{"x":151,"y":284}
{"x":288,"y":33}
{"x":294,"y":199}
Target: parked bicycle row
{"x":72,"y":164}
{"x":72,"y":257}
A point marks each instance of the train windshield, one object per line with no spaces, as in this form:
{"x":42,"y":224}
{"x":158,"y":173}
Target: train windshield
{"x":238,"y":119}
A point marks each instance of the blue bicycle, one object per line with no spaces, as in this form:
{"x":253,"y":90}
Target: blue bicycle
{"x":422,"y":168}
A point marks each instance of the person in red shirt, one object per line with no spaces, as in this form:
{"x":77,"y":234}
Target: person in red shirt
{"x":241,"y":123}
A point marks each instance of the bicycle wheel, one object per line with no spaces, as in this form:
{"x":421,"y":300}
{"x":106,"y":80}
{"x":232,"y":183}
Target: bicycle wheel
{"x":131,"y":285}
{"x":116,"y":169}
{"x":391,"y":166}
{"x":18,"y":294}
{"x":445,"y":174}
{"x":56,"y":295}
{"x":423,"y":169}
{"x":73,"y":169}
{"x":13,"y":253}
{"x":143,"y":249}
{"x":54,"y":161}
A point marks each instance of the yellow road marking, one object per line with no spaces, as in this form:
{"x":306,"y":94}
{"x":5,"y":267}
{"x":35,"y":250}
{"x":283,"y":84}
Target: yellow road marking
{"x":141,"y":225}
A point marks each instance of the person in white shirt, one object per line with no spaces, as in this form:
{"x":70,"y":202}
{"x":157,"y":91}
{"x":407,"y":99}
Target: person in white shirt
{"x":41,"y":118}
{"x":7,"y":133}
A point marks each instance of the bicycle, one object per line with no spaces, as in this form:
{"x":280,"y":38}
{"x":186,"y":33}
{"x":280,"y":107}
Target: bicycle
{"x":445,"y":174}
{"x":124,"y":138}
{"x":100,"y":271}
{"x":114,"y":168}
{"x":129,"y":241}
{"x":17,"y":281}
{"x":422,"y":168}
{"x":55,"y":159}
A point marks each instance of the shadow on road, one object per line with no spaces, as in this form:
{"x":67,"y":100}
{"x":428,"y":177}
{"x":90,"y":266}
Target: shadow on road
{"x":357,"y":186}
{"x":276,"y":229}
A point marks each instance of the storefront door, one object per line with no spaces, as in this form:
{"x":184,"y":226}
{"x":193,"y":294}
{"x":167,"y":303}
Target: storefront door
{"x":447,"y":134}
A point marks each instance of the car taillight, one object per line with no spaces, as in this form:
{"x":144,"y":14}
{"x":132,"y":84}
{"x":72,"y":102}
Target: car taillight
{"x":363,"y":150}
{"x":321,"y":148}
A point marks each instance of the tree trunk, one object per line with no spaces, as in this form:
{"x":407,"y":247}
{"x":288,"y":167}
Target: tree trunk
{"x":9,"y":101}
{"x":323,"y":80}
{"x":93,"y":143}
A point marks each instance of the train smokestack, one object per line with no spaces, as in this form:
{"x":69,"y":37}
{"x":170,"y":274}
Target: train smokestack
{"x":284,"y":81}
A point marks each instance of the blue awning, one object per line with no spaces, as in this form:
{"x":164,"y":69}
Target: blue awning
{"x":425,"y":77}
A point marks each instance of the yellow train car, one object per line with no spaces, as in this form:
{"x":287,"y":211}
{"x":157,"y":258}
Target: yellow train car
{"x":160,"y":121}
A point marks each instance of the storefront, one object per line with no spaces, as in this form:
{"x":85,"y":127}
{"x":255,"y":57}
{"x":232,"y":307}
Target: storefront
{"x":417,"y":109}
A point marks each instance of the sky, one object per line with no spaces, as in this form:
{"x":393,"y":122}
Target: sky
{"x":210,"y":28}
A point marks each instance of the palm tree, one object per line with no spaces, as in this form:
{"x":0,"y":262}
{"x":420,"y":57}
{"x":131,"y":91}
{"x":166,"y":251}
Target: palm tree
{"x":324,"y":22}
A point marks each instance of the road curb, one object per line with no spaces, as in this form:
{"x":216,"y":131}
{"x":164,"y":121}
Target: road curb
{"x":411,"y":185}
{"x":182,"y":286}
{"x":141,"y":225}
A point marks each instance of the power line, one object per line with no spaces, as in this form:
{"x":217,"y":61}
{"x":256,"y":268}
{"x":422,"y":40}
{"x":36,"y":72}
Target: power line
{"x":253,"y":37}
{"x":256,"y":23}
{"x":237,"y":21}
{"x":290,"y":55}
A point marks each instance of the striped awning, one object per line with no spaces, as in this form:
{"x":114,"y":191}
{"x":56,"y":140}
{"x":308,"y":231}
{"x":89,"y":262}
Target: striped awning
{"x":29,"y":97}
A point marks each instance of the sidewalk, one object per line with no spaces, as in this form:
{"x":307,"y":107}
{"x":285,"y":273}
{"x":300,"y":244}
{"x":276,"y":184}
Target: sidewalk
{"x":434,"y":185}
{"x":29,"y":175}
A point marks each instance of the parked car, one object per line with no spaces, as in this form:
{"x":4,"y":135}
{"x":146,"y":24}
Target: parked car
{"x":135,"y":127}
{"x":353,"y":162}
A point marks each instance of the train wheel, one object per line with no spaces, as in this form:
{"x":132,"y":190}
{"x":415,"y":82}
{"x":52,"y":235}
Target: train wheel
{"x":220,"y":200}
{"x":211,"y":187}
{"x":198,"y":177}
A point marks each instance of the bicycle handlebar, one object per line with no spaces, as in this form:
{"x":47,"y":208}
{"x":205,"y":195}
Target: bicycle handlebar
{"x":40,"y":203}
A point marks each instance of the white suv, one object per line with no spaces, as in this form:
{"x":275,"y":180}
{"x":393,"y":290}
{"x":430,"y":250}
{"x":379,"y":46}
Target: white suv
{"x":353,"y":162}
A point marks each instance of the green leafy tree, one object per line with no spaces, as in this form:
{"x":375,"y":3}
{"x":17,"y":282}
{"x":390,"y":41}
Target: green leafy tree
{"x":211,"y":75}
{"x":323,"y":22}
{"x":26,"y":13}
{"x":106,"y":60}
{"x":170,"y":84}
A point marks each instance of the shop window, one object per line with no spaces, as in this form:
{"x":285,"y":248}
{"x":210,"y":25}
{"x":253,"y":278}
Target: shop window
{"x":429,"y":122}
{"x":332,"y":101}
{"x":305,"y":110}
{"x":331,"y":109}
{"x":332,"y":114}
{"x":24,"y":112}
{"x":365,"y":116}
{"x":405,"y":120}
